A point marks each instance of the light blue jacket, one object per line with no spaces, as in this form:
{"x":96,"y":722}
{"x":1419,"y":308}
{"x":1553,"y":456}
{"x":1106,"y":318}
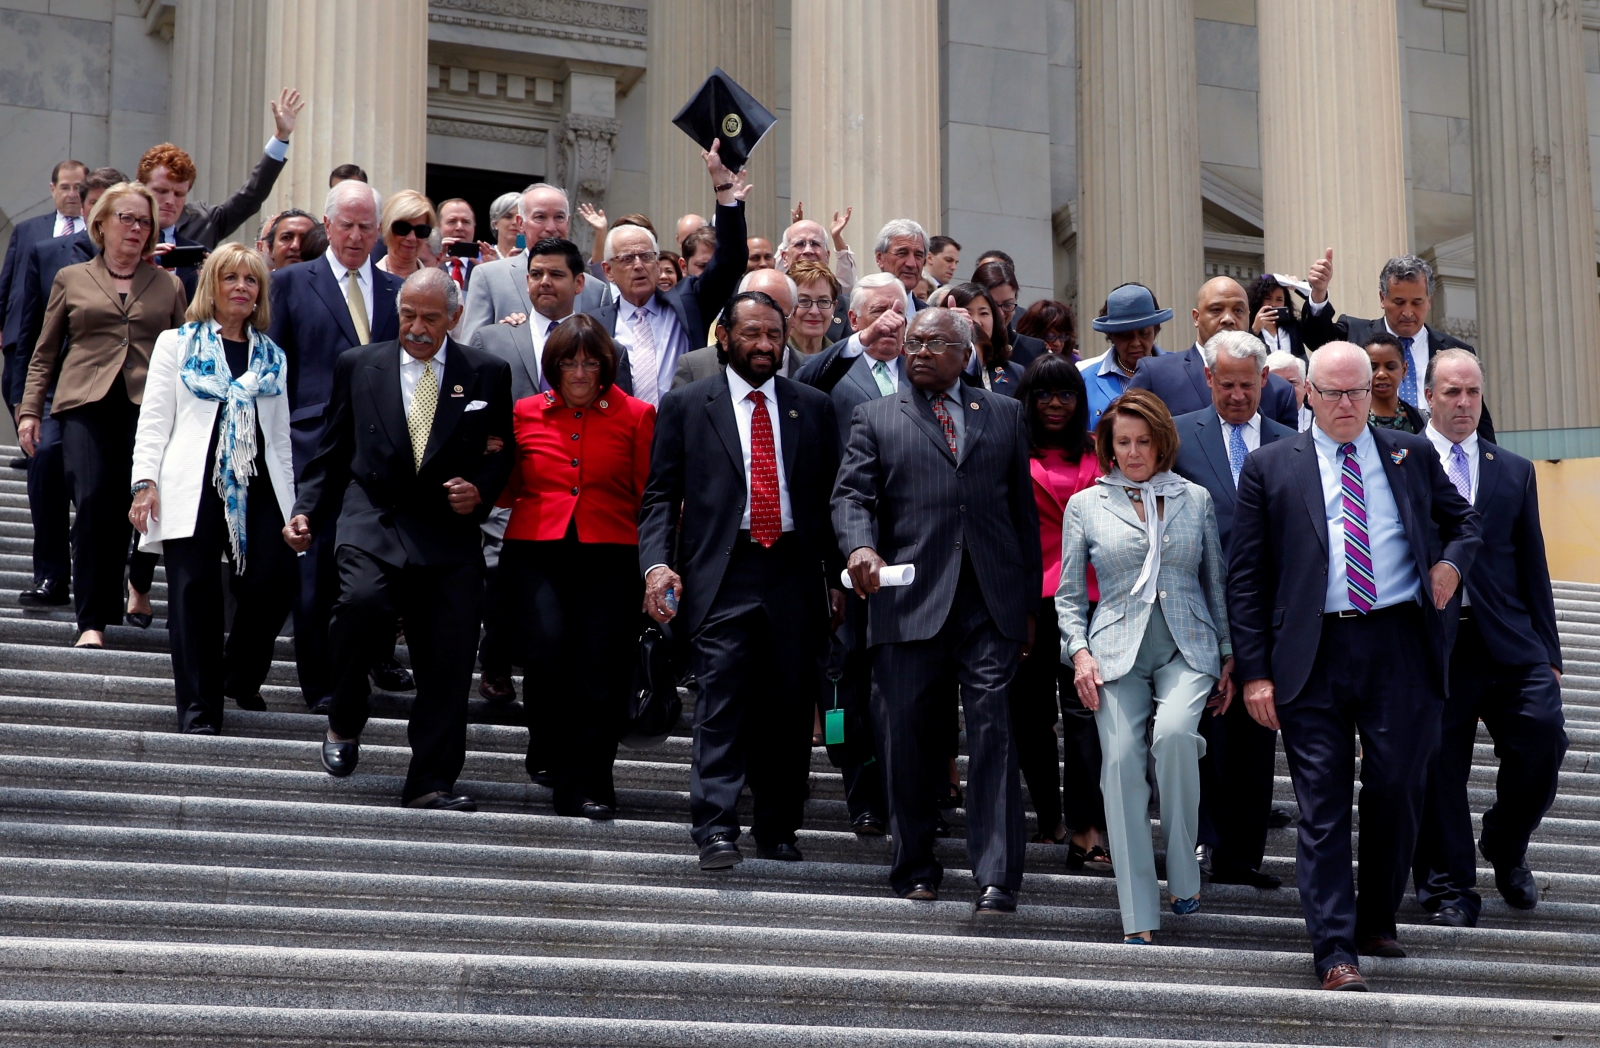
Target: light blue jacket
{"x":1102,"y":528}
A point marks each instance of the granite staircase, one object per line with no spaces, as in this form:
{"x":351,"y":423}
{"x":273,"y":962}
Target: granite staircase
{"x":158,"y":889}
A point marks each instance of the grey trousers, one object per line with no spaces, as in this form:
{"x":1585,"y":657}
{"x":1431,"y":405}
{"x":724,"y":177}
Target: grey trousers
{"x":1160,"y":681}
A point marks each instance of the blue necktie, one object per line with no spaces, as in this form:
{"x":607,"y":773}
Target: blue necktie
{"x":1236,"y":451}
{"x":1408,"y":385}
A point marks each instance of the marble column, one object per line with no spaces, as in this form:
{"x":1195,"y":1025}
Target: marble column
{"x":865,"y":90}
{"x":1538,"y":314}
{"x":362,"y":67}
{"x":1138,"y":155}
{"x":1332,"y":156}
{"x":219,"y":109}
{"x":685,"y":44}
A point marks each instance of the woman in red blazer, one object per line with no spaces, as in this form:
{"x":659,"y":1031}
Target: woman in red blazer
{"x":572,"y":590}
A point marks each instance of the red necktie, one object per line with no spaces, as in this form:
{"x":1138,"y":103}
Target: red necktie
{"x":766,"y":515}
{"x":943,"y":414}
{"x":456,"y":274}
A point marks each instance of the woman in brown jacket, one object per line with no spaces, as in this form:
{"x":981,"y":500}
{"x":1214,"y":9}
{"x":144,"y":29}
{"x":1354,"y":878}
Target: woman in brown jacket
{"x":94,"y":349}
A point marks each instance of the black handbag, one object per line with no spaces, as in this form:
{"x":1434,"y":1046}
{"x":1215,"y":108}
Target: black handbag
{"x":654,"y":706}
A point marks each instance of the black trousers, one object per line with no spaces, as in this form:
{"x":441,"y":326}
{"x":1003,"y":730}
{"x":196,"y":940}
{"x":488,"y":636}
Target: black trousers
{"x":49,"y":501}
{"x":906,"y":700}
{"x":441,"y":605}
{"x":863,"y":780}
{"x":570,"y":610}
{"x":1521,"y":707}
{"x":1371,"y":675}
{"x":204,"y":668}
{"x":1043,"y":686}
{"x":1236,"y":782}
{"x":313,"y":610}
{"x":757,"y":681}
{"x":97,"y":459}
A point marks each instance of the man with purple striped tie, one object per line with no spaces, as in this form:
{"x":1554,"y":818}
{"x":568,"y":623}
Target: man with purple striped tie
{"x":1348,"y":542}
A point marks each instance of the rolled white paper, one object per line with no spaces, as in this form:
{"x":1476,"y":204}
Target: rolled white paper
{"x":889,"y":575}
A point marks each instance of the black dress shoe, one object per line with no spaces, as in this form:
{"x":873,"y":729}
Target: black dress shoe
{"x":719,"y":852}
{"x":1453,"y":917}
{"x":950,"y":799}
{"x":1280,"y":818}
{"x":867,"y":825}
{"x":322,"y":707}
{"x":254,"y":703}
{"x":139,"y":620}
{"x":940,"y":827}
{"x":1379,"y":946}
{"x":921,"y":891}
{"x":442,"y":801}
{"x":1515,"y":883}
{"x":202,"y":729}
{"x":1254,"y":878}
{"x":497,"y":690}
{"x":996,"y":899}
{"x":47,"y":594}
{"x":389,"y":675}
{"x":784,"y":852}
{"x":340,"y":758}
{"x":19,"y":462}
{"x":597,"y":811}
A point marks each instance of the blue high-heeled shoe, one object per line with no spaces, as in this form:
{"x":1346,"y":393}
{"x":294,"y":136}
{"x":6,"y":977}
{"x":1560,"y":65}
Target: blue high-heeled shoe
{"x":1184,"y":907}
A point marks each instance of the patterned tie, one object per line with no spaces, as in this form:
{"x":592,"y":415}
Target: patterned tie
{"x":1359,"y":582}
{"x":1236,"y":451}
{"x":766,"y":513}
{"x":644,"y":358}
{"x":1456,"y":469}
{"x":880,"y":375}
{"x":420,"y":422}
{"x":358,"y":307}
{"x":942,"y":413}
{"x":1408,"y":385}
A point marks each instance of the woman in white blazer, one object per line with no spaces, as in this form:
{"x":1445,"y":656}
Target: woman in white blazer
{"x":213,"y":478}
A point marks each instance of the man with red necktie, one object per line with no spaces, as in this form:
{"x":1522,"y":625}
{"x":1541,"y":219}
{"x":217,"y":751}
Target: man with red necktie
{"x":738,"y":554}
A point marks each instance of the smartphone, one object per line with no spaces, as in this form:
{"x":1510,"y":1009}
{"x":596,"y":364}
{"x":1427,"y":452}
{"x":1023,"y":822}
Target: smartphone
{"x":464,"y":249}
{"x":1285,"y":315}
{"x":180,"y":257}
{"x":522,"y":242}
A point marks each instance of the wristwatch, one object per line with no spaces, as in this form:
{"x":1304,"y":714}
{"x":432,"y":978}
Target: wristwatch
{"x":140,"y":486}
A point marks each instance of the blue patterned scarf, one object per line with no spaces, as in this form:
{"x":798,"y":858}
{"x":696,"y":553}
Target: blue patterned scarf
{"x":205,"y":372}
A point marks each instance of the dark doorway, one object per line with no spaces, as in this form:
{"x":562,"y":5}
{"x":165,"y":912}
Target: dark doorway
{"x":477,"y":187}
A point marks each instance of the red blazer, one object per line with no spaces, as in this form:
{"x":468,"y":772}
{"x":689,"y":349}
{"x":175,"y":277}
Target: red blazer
{"x":592,"y":463}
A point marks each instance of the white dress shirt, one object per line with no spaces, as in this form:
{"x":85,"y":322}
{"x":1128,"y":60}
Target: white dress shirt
{"x":854,"y":348}
{"x":65,"y":226}
{"x":1393,"y":569}
{"x":671,"y":342}
{"x":363,"y":280}
{"x":411,"y":371}
{"x":1252,"y":432}
{"x":1276,"y":341}
{"x":744,"y":411}
{"x":1469,"y":447}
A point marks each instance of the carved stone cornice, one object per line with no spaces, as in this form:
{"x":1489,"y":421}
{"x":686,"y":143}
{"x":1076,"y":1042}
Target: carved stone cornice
{"x":517,"y":136}
{"x":584,"y":21}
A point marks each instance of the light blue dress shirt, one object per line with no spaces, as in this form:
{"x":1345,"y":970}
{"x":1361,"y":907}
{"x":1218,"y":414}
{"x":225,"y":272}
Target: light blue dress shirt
{"x":1392,"y":564}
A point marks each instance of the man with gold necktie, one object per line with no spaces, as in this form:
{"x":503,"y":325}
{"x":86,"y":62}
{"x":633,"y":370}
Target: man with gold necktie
{"x":413,"y":456}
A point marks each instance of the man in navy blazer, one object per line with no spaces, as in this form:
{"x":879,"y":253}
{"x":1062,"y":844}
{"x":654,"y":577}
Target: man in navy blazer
{"x":1179,"y":379}
{"x":879,"y":308}
{"x":313,"y":322}
{"x":64,"y":219}
{"x":1505,"y":667}
{"x":1348,"y":542}
{"x":1236,"y":774}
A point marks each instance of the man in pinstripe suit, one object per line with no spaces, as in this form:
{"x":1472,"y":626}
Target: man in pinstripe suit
{"x":937,"y":476}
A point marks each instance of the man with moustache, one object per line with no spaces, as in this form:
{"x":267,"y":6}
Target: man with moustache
{"x":282,"y":239}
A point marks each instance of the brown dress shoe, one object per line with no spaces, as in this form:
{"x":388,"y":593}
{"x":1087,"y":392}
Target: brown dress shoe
{"x":1343,"y":977}
{"x":1379,"y":946}
{"x":496,"y":689}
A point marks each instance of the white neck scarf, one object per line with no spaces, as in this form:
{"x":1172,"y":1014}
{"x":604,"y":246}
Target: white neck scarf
{"x":1162,"y":485}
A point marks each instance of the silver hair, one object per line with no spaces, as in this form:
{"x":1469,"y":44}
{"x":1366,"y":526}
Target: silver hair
{"x":827,"y":249}
{"x":522,"y":199}
{"x":899,"y":227}
{"x":503,"y":205}
{"x":433,"y":279}
{"x":1444,"y":356}
{"x":794,"y":289}
{"x":1279,"y":360}
{"x":1239,"y":345}
{"x":1405,"y":267}
{"x":349,"y":188}
{"x":616,"y":229}
{"x":858,"y":296}
{"x":1339,"y":349}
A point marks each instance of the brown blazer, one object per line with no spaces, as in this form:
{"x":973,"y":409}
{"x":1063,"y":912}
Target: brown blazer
{"x":102,"y":335}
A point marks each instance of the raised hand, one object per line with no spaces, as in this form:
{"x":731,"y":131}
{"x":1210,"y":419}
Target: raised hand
{"x":286,"y":112}
{"x":1320,"y":276}
{"x":594,"y":216}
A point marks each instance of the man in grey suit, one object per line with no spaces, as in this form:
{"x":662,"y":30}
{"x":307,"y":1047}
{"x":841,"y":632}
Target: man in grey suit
{"x":500,"y":288}
{"x":708,"y":360}
{"x":938,"y":475}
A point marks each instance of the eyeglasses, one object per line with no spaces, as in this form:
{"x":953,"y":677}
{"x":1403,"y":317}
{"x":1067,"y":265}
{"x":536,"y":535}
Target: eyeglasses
{"x":128,"y":218}
{"x":1007,"y":308}
{"x":635,"y":258}
{"x":1045,"y":396}
{"x":1054,"y":340}
{"x":401,"y":228}
{"x":933,"y":346}
{"x":805,"y":304}
{"x":801,"y":245}
{"x":573,"y":365}
{"x":1333,"y":396}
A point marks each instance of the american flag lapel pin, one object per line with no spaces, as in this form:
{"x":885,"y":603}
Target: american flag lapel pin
{"x":1398,"y":457}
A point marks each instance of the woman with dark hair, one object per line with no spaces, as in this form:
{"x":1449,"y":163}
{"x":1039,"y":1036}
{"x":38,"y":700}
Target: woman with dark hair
{"x":1272,"y":316}
{"x":1389,"y":363}
{"x":572,"y":600}
{"x":991,"y":365}
{"x":671,"y":264}
{"x":1053,"y":324}
{"x":1056,"y":408}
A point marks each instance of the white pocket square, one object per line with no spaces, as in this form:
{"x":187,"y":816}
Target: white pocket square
{"x":476,"y":405}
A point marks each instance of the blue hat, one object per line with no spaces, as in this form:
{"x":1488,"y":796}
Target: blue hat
{"x":1129,"y":308}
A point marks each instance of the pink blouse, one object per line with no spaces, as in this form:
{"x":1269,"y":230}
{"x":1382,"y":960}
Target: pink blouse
{"x":1055,"y":480}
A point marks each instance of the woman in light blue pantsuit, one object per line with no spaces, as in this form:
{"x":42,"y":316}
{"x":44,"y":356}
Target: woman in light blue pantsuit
{"x":1158,"y":644}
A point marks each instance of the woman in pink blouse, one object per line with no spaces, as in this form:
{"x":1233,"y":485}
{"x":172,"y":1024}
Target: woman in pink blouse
{"x":1056,"y":408}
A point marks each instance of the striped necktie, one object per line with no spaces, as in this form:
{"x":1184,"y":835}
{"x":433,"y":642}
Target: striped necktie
{"x":645,"y":364}
{"x":1360,"y":584}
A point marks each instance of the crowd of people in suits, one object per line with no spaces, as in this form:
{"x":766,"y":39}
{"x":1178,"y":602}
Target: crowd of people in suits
{"x":878,"y":513}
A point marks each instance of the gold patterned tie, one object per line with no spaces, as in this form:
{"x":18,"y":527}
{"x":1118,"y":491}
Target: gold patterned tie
{"x":423,"y":400}
{"x":358,"y":309}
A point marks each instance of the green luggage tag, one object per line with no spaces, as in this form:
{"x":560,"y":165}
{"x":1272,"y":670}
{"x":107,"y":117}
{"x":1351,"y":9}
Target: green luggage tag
{"x":833,"y":721}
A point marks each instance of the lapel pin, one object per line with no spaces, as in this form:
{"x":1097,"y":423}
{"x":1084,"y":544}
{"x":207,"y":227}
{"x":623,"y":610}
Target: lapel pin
{"x":793,"y":413}
{"x":1488,"y":455}
{"x":973,"y":405}
{"x":1398,"y":457}
{"x":458,"y":389}
{"x":604,"y":405}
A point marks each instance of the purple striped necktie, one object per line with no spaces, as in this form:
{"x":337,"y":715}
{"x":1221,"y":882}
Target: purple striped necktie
{"x":1359,"y":581}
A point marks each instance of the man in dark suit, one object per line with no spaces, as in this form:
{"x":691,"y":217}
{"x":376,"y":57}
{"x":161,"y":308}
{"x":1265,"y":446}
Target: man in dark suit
{"x":1347,"y":543}
{"x":1236,"y":774}
{"x":653,"y":328}
{"x":736,"y":549}
{"x":63,"y":220}
{"x":1179,"y":379}
{"x":878,"y":311}
{"x":1405,"y":292}
{"x":405,"y":464}
{"x":320,"y":309}
{"x":901,"y":249}
{"x":709,"y":360}
{"x":1505,"y":667}
{"x":938,"y":476}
